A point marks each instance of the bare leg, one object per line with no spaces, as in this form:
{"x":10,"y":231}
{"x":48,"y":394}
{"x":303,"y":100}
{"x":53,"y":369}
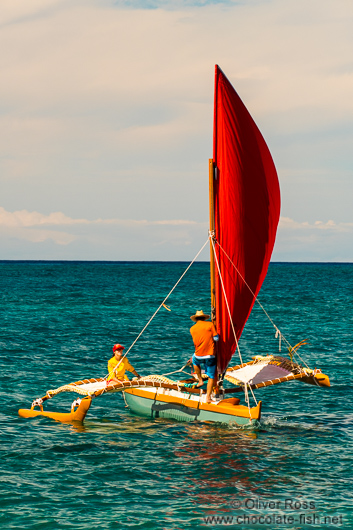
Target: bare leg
{"x":210,"y":383}
{"x":198,"y":373}
{"x":115,"y":380}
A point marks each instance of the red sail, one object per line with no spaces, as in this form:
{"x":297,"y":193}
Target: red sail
{"x":246,"y":209}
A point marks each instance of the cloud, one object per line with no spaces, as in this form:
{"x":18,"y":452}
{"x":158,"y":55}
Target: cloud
{"x":106,"y":107}
{"x":24,"y":218}
{"x":119,"y":239}
{"x":330,"y":226}
{"x":318,"y":241}
{"x":17,"y":11}
{"x":98,"y":239}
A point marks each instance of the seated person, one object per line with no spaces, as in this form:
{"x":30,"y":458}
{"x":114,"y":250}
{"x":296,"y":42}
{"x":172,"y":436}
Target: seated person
{"x":117,"y":366}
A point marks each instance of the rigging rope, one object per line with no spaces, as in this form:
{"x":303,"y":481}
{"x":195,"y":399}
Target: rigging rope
{"x":225,"y":297}
{"x":211,"y":238}
{"x":253,"y":395}
{"x":161,"y":305}
{"x":278,"y":332}
{"x":181,"y":370}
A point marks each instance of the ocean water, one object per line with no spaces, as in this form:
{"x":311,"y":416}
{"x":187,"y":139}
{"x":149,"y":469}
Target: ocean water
{"x":58,"y":324}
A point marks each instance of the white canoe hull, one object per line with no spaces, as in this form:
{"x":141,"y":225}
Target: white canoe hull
{"x":185,"y":407}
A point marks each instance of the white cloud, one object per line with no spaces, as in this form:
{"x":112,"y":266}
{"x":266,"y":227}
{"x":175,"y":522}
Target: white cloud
{"x":18,"y":11}
{"x":290,"y":224}
{"x":99,"y":239}
{"x":24,"y":218}
{"x":318,"y":241}
{"x":106,"y":107}
{"x":115,"y":238}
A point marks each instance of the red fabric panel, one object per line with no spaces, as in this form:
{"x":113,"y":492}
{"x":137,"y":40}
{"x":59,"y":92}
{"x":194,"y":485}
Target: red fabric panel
{"x":247,"y":208}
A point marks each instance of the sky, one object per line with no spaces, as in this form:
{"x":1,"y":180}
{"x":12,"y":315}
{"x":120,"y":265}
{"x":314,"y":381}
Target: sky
{"x":106,"y":115}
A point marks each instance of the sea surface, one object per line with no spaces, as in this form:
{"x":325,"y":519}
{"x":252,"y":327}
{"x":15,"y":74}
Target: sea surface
{"x":59,"y":321}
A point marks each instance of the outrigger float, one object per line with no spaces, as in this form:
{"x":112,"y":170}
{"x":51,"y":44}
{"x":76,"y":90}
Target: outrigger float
{"x":244,"y":214}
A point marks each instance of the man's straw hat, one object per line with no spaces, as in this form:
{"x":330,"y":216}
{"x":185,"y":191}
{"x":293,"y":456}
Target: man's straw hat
{"x":199,"y":315}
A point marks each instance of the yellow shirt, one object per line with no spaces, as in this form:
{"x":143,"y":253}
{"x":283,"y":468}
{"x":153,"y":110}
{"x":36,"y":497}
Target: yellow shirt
{"x":119,"y":373}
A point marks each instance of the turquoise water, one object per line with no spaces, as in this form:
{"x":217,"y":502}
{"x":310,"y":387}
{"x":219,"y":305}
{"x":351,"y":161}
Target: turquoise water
{"x":59,"y":322}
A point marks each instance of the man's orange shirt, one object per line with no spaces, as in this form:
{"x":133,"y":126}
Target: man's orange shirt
{"x":202,"y":334}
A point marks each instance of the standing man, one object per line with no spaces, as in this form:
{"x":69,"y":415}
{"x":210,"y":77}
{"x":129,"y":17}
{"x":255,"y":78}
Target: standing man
{"x":204,"y":335}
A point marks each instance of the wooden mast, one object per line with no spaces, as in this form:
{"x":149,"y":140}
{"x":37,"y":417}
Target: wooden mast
{"x":211,"y":170}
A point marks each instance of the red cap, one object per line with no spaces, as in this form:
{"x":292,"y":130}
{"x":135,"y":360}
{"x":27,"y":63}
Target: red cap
{"x":118,"y":347}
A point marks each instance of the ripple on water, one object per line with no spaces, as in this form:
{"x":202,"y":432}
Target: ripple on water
{"x":121,"y":471}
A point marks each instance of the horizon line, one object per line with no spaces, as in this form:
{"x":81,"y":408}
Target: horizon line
{"x":162,"y":261}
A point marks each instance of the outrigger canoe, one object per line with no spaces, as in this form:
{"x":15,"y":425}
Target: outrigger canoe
{"x":244,"y":199}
